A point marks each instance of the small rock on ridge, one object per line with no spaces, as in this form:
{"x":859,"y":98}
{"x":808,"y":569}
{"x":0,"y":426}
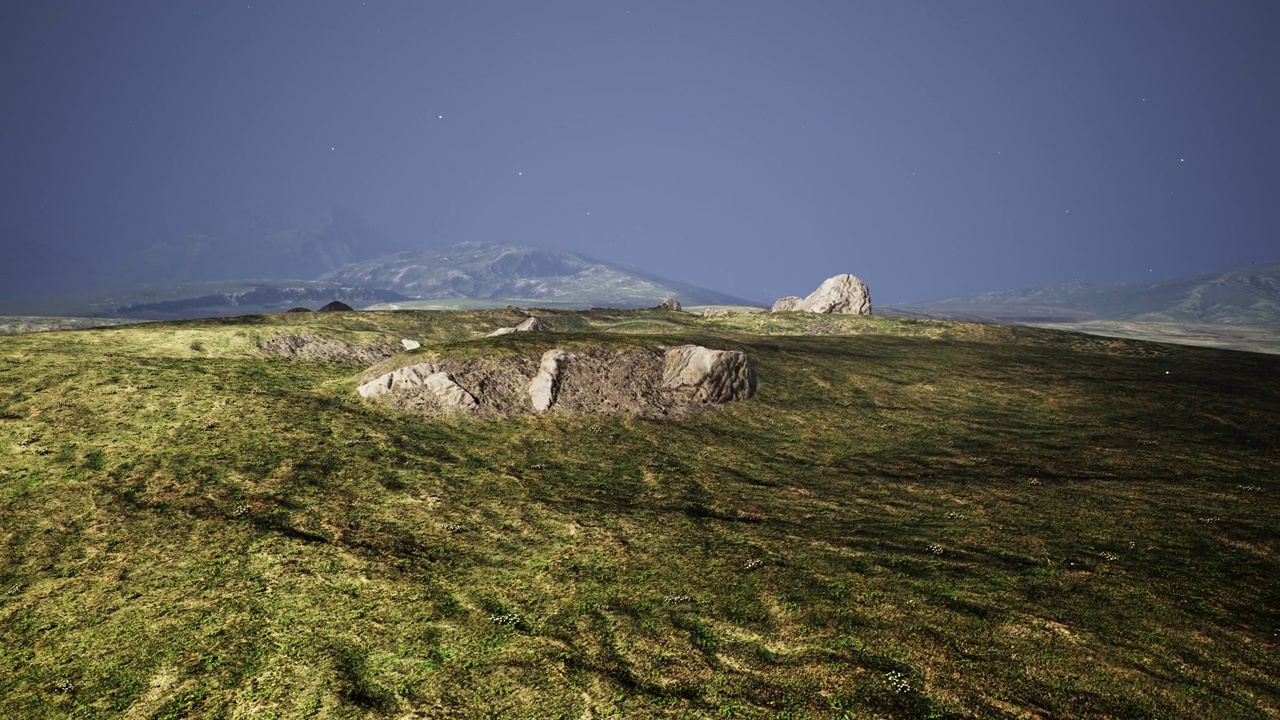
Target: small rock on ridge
{"x":531,"y":324}
{"x":786,"y":304}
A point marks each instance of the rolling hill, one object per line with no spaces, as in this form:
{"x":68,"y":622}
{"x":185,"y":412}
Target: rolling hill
{"x":911,"y":519}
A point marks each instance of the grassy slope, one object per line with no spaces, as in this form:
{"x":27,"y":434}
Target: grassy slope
{"x":912,"y":519}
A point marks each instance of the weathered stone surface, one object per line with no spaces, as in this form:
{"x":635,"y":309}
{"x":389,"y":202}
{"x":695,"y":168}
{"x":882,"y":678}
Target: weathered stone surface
{"x":336,"y":306}
{"x":410,"y":344}
{"x":408,"y":376}
{"x":786,"y":304}
{"x":531,"y":324}
{"x":450,"y":394}
{"x":716,"y":312}
{"x":546,"y":384}
{"x":671,"y":304}
{"x":715,"y":376}
{"x":844,"y":294}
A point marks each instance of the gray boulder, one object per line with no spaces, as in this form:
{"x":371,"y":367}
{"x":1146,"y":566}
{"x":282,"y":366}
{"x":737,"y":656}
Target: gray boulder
{"x":786,"y":304}
{"x":671,"y":304}
{"x":714,"y":376}
{"x":410,"y":344}
{"x":546,"y":384}
{"x":843,"y":294}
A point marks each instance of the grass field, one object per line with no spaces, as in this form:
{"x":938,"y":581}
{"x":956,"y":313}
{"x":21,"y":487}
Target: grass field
{"x":912,"y":519}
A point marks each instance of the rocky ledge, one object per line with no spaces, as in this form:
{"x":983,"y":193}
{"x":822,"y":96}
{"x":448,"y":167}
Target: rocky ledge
{"x":637,"y":381}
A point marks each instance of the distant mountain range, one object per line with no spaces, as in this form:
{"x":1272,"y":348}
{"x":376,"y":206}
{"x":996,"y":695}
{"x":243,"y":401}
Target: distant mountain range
{"x":335,"y":255}
{"x":520,"y":273}
{"x":1247,"y":295}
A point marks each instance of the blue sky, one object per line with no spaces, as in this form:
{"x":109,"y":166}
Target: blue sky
{"x":932,"y":148}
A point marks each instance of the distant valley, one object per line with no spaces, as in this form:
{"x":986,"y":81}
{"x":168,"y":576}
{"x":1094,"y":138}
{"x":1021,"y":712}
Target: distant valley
{"x":1248,"y":295}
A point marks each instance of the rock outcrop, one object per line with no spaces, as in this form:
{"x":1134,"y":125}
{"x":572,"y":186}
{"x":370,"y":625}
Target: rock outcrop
{"x":448,"y":394}
{"x":405,"y":377}
{"x":336,"y":306}
{"x":546,"y":384}
{"x":410,"y":344}
{"x":786,"y":304}
{"x":587,"y":380}
{"x":298,"y":309}
{"x":842,"y":294}
{"x":531,"y":324}
{"x":714,"y":376}
{"x":671,"y":304}
{"x":716,"y":312}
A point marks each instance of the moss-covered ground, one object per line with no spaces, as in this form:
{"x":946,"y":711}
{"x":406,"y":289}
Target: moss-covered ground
{"x":911,"y":519}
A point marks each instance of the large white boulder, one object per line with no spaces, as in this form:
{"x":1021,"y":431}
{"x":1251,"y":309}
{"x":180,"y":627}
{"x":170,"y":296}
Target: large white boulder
{"x":715,"y":376}
{"x":840,"y":294}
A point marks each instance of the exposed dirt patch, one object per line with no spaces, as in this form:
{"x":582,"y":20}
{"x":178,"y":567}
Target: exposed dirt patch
{"x":311,"y":348}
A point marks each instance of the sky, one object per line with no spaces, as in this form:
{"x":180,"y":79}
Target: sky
{"x":931,"y":148}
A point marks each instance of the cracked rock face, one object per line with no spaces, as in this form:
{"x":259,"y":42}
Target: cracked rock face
{"x":714,"y":376}
{"x":447,"y":393}
{"x":546,"y":384}
{"x":408,"y":376}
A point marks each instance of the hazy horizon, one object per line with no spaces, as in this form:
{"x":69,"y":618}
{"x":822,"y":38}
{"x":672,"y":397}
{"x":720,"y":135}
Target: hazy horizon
{"x":933,"y":149}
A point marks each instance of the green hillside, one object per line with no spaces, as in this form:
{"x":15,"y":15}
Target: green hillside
{"x":912,"y":519}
